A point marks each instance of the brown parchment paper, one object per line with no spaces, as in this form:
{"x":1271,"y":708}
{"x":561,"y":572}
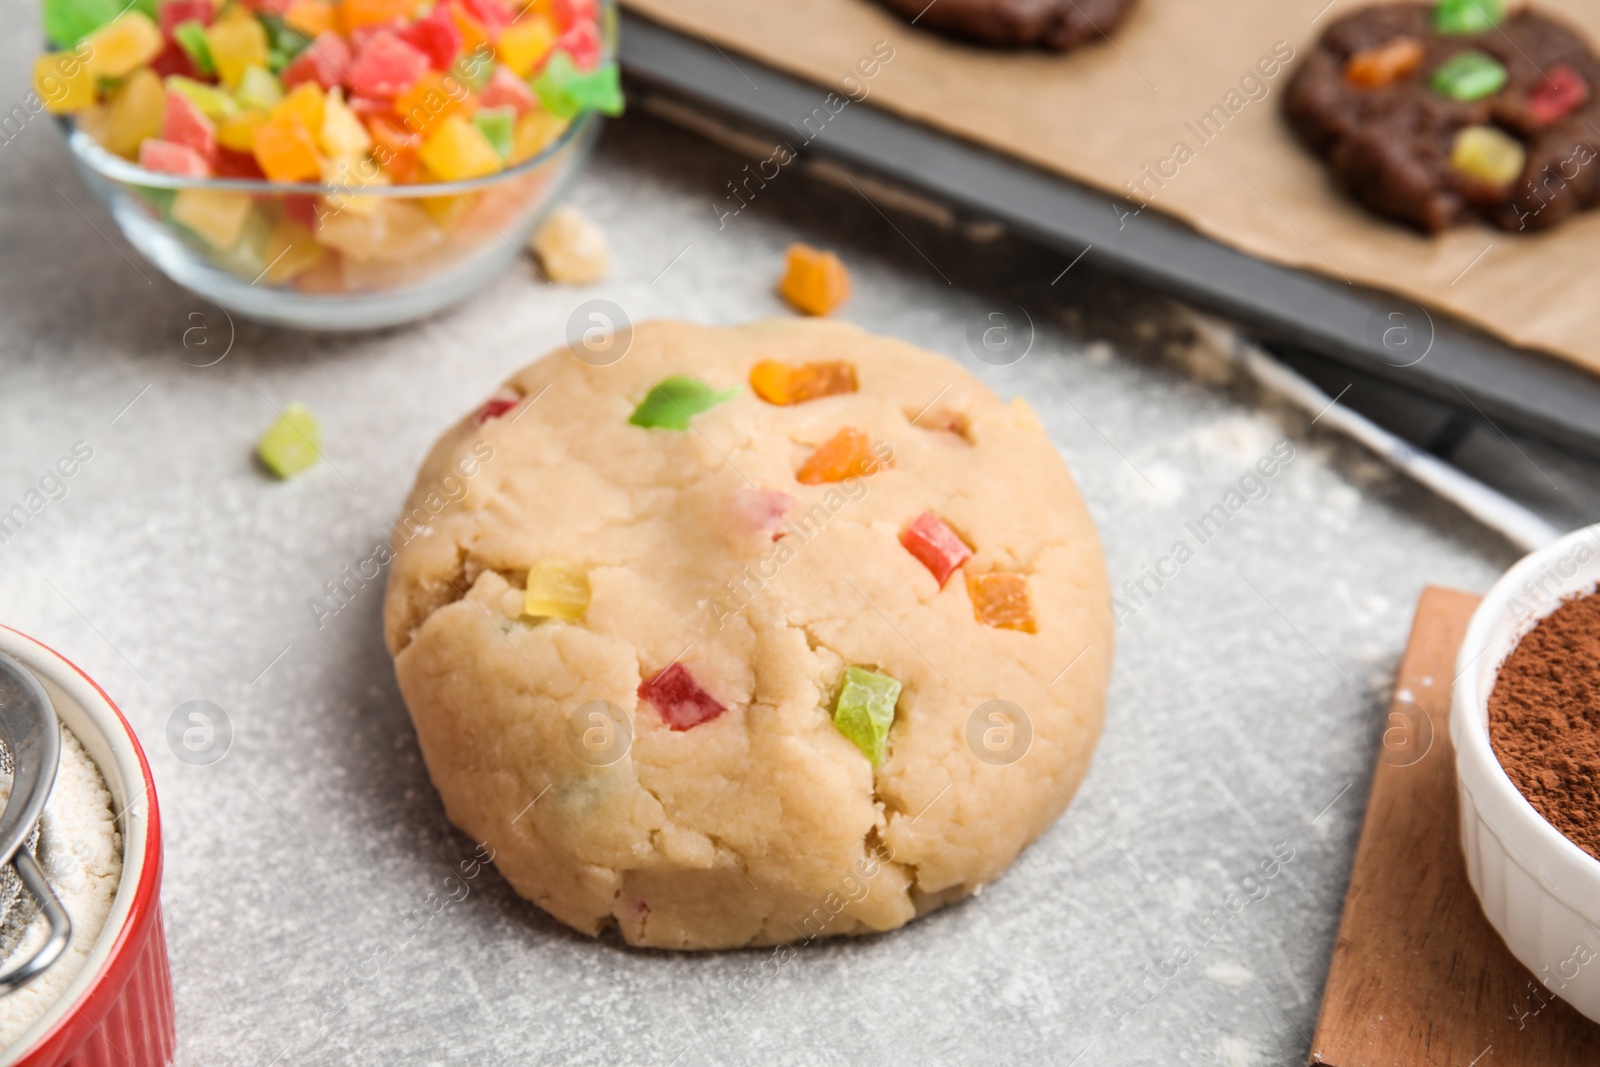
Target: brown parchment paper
{"x":1105,"y":112}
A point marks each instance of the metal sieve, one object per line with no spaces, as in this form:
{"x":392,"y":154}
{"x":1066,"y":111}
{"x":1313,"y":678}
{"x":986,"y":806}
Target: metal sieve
{"x":30,"y":750}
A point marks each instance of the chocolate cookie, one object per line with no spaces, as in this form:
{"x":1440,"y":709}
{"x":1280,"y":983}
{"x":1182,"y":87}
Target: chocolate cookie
{"x":1054,"y":24}
{"x":1435,"y":114}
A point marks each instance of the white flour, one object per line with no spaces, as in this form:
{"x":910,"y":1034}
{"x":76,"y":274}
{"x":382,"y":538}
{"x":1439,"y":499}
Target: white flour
{"x":80,"y":851}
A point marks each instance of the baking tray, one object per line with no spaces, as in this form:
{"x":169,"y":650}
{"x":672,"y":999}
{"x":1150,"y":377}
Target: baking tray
{"x":1379,"y":334}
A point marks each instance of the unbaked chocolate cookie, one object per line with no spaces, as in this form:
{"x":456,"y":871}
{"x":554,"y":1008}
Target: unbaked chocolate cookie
{"x":1435,"y":114}
{"x":1054,"y":24}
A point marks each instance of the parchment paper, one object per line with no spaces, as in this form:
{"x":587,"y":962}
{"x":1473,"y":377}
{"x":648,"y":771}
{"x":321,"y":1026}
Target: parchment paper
{"x":1102,"y":114}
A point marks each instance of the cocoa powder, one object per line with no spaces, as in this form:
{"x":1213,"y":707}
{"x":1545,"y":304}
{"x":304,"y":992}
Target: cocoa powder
{"x":1544,"y":719}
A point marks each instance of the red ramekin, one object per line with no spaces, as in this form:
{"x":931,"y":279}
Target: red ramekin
{"x":118,"y":1011}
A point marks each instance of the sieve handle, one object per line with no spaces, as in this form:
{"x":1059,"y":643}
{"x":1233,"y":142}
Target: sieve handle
{"x":55,"y":915}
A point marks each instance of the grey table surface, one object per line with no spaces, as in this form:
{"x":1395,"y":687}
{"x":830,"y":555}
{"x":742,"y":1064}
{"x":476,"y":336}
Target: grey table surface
{"x":1244,"y":716}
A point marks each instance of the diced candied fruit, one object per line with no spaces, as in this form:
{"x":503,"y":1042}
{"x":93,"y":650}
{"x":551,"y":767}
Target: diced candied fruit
{"x":123,"y":45}
{"x":291,"y":250}
{"x":1562,"y":91}
{"x":342,"y":135}
{"x":216,"y":215}
{"x":1384,"y":64}
{"x":394,"y":149}
{"x":494,"y":408}
{"x":215,"y":104}
{"x":191,"y":37}
{"x":238,"y":133}
{"x":291,"y":444}
{"x":536,"y":131}
{"x":63,"y":82}
{"x":165,"y":157}
{"x":673,"y":401}
{"x":474,"y":35}
{"x":430,"y":101}
{"x":761,"y":510}
{"x":783,"y":384}
{"x":286,"y":150}
{"x":305,"y":102}
{"x":493,"y":15}
{"x":814,"y":282}
{"x":311,"y":17}
{"x":236,"y":46}
{"x":172,"y":61}
{"x":1000,"y":599}
{"x":1469,"y":76}
{"x":230,"y":164}
{"x":385,"y":66}
{"x":445,"y":211}
{"x":556,"y":589}
{"x":582,"y":42}
{"x":1488,"y":155}
{"x":184,"y":123}
{"x":847,"y":454}
{"x":496,"y":124}
{"x":136,"y":112}
{"x":458,"y":151}
{"x":174,"y":13}
{"x":523,"y":45}
{"x":936,"y":546}
{"x":435,"y":37}
{"x":505,"y":89}
{"x":571,"y":249}
{"x":258,"y":90}
{"x":864,"y":710}
{"x":679,"y":699}
{"x":565,"y":91}
{"x":66,"y":22}
{"x":473,"y":69}
{"x":1467,"y":16}
{"x":323,"y":62}
{"x":354,"y":14}
{"x":393,"y":232}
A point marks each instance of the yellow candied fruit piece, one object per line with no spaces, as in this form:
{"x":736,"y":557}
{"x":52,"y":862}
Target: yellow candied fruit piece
{"x":136,"y":112}
{"x":236,"y":44}
{"x":814,"y":282}
{"x":341,"y":133}
{"x":445,"y":211}
{"x":122,"y":45}
{"x":291,"y":250}
{"x":215,"y":215}
{"x":557,"y":589}
{"x":459,"y":151}
{"x":782,"y":384}
{"x":847,"y":454}
{"x":535,"y":131}
{"x":305,"y":103}
{"x":1488,"y":155}
{"x":1000,"y":600}
{"x":239,"y":132}
{"x":525,"y":42}
{"x":63,"y":82}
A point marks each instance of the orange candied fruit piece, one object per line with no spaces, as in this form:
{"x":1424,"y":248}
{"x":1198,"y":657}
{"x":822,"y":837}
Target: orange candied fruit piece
{"x":1000,"y":599}
{"x":779,"y":383}
{"x":814,"y":281}
{"x":846,"y":454}
{"x":1384,"y":64}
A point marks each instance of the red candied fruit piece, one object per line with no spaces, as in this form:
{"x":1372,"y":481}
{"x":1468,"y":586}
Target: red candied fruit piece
{"x":435,"y":37}
{"x":175,"y":13}
{"x":323,"y":61}
{"x":505,"y":89}
{"x":301,"y":209}
{"x":1562,"y":91}
{"x":938,"y":547}
{"x":680,"y":700}
{"x":569,"y":13}
{"x":171,"y":60}
{"x":582,"y":43}
{"x":183,"y":122}
{"x":494,"y":407}
{"x":231,"y":164}
{"x":493,"y":15}
{"x":386,"y":66}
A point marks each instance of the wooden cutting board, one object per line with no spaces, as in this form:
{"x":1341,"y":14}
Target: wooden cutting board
{"x":1419,"y":977}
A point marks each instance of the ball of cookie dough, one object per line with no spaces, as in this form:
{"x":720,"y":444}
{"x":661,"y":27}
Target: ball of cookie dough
{"x":674,"y":637}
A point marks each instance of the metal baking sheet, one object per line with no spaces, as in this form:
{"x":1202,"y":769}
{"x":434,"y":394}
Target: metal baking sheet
{"x":1379,"y":334}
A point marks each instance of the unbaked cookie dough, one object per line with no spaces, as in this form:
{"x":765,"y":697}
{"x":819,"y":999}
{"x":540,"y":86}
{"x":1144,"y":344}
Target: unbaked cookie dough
{"x":1436,"y":114}
{"x":1055,"y":24}
{"x":654,"y":621}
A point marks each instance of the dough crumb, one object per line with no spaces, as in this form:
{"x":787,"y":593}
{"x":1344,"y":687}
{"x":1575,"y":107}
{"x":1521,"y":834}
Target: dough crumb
{"x":571,"y":249}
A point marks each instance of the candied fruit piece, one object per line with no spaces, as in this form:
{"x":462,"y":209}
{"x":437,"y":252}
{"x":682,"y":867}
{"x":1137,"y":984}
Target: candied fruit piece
{"x":847,"y":454}
{"x":290,"y":251}
{"x":1469,"y":76}
{"x":782,"y":384}
{"x":66,"y":22}
{"x":238,"y":133}
{"x":1000,"y":599}
{"x":354,"y":14}
{"x":166,"y":157}
{"x":1561,"y":92}
{"x":63,"y":82}
{"x":680,"y":700}
{"x":458,"y":151}
{"x":495,"y":407}
{"x":214,"y":214}
{"x":864,"y":710}
{"x":939,"y":548}
{"x":1467,"y":16}
{"x":673,"y":401}
{"x":342,"y":135}
{"x":184,"y":123}
{"x":258,"y":90}
{"x":536,"y":131}
{"x":436,"y":37}
{"x":430,"y":100}
{"x":564,"y":90}
{"x":291,"y":443}
{"x":496,"y":125}
{"x":237,"y":44}
{"x":571,"y":249}
{"x":1384,"y":64}
{"x":385,"y":66}
{"x":323,"y":61}
{"x":286,"y":150}
{"x":191,"y":37}
{"x":122,"y":45}
{"x":305,"y":102}
{"x":1488,"y":155}
{"x":557,"y":589}
{"x":174,"y":13}
{"x":761,"y":510}
{"x":311,"y":17}
{"x":213,"y":103}
{"x":136,"y":112}
{"x":393,"y":232}
{"x":524,"y":44}
{"x":505,"y":89}
{"x":814,"y":282}
{"x":581,"y":41}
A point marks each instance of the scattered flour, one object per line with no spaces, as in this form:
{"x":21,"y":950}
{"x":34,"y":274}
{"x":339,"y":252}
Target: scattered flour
{"x":1237,"y":1052}
{"x":1158,"y":482}
{"x":80,"y":851}
{"x":1229,"y":974}
{"x":1245,"y":438}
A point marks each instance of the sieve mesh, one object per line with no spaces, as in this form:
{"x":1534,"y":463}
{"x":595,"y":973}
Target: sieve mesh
{"x":17,"y":910}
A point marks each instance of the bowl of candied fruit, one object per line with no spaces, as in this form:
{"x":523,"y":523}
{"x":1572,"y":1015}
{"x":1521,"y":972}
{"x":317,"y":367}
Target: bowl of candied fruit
{"x":329,"y":164}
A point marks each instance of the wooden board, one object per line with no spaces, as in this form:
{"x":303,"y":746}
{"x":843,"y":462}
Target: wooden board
{"x":1419,"y":977}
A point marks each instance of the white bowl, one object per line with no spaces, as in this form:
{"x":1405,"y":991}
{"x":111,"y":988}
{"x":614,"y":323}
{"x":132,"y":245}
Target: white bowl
{"x":1540,"y":891}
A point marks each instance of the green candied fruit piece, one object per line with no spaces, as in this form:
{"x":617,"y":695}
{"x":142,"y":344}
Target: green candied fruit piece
{"x":290,"y":444}
{"x":865,"y":710}
{"x":675,"y":400}
{"x":564,"y":90}
{"x":1469,"y":76}
{"x":1467,"y":16}
{"x":66,"y":22}
{"x":191,"y":37}
{"x":497,"y":124}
